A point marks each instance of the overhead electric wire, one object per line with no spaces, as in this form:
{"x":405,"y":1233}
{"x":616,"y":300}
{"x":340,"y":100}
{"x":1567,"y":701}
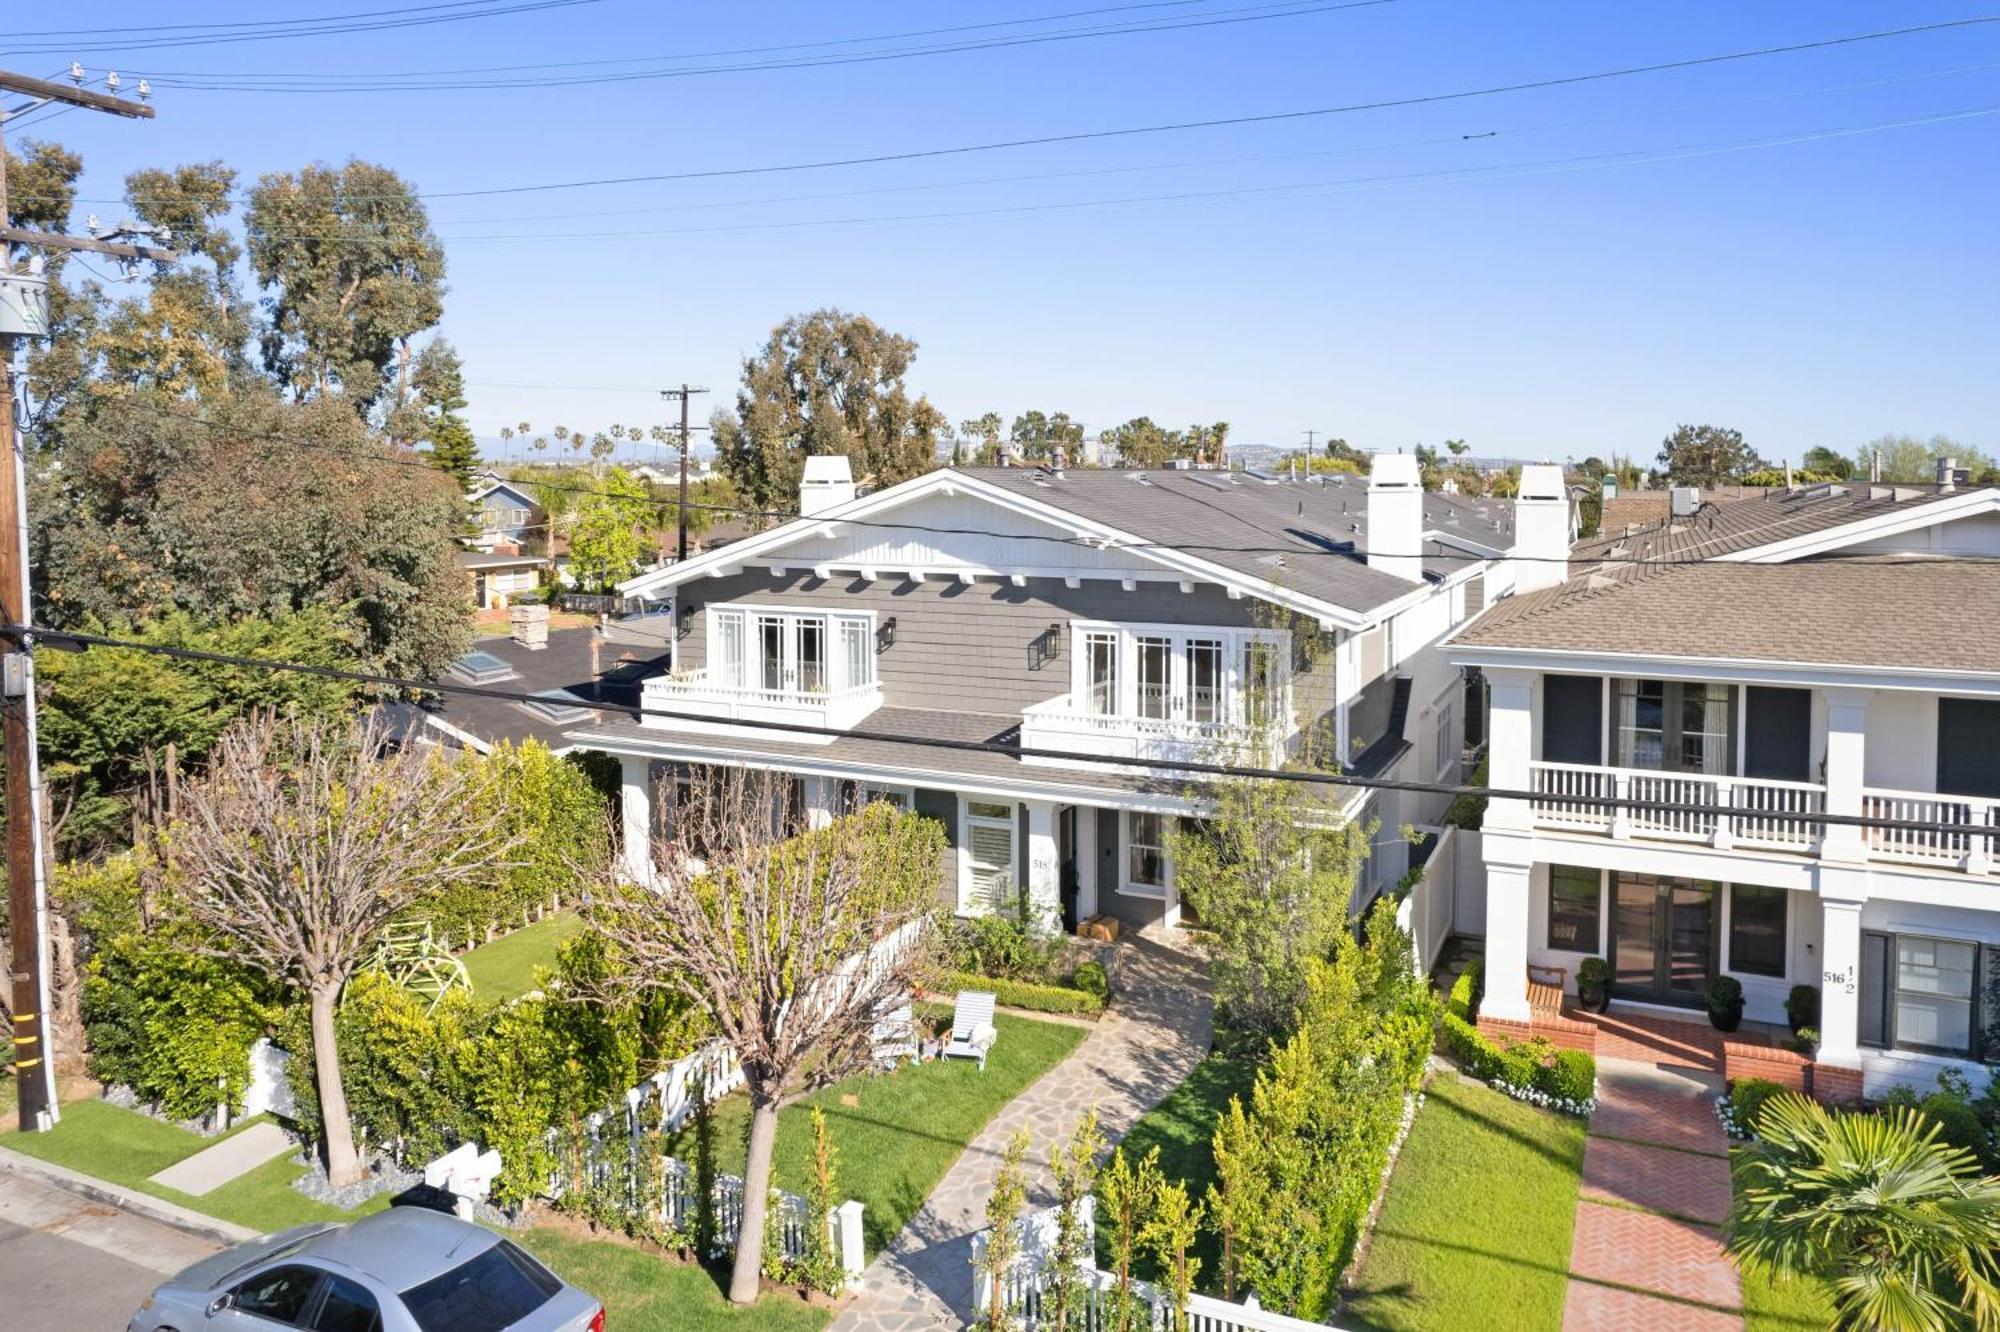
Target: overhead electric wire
{"x":57,"y":638}
{"x":1332,"y":549}
{"x":1263,"y":13}
{"x":417,"y":19}
{"x":145,"y":28}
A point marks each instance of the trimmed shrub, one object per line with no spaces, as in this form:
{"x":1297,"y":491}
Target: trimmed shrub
{"x":1957,"y":1122}
{"x":1001,"y":945}
{"x":1802,"y":1007}
{"x":1747,"y":1097}
{"x":1090,"y":978}
{"x":1029,"y":995}
{"x":1570,"y":1076}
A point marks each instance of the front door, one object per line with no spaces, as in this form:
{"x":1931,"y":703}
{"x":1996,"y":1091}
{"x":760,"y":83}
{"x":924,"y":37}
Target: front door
{"x":1662,"y":938}
{"x":1066,"y":871}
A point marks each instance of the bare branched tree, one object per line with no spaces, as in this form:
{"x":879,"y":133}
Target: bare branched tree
{"x":795,"y":942}
{"x":302,"y":839}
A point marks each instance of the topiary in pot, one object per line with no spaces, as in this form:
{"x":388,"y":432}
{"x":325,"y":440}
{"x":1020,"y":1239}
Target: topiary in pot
{"x":1802,"y":1007}
{"x":1593,"y":984}
{"x":1725,"y":1003}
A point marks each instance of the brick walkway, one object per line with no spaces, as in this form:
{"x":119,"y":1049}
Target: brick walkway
{"x":1655,"y":1187}
{"x":1156,"y":1031}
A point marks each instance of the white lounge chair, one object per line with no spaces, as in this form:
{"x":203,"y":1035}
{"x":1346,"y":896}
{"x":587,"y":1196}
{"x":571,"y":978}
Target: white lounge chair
{"x":895,"y":1037}
{"x":972,"y":1030}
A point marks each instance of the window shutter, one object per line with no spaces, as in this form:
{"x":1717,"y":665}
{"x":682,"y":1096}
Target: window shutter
{"x":1874,"y":991}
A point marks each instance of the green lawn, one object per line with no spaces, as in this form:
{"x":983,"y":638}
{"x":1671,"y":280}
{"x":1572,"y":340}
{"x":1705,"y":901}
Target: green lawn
{"x":1774,"y":1305}
{"x":903,"y":1131}
{"x":126,"y":1147}
{"x":1183,"y":1128}
{"x":642,"y":1293}
{"x":505,"y":968}
{"x":1475,"y":1230}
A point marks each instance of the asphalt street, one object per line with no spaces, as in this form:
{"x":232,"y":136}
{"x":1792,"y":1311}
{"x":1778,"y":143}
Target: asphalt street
{"x":68,"y":1264}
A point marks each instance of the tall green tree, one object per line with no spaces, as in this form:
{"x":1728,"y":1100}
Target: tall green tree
{"x":1823,"y":461}
{"x":1907,"y":458}
{"x":605,"y":543}
{"x":826,"y":382}
{"x":355,"y":273}
{"x":1037,"y":435}
{"x":437,"y":416}
{"x":983,"y":433}
{"x":1707,"y":455}
{"x":1143,"y":442}
{"x":1899,"y":1224}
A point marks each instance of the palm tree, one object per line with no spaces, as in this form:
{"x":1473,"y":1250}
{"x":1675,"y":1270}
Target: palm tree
{"x":1898,"y":1223}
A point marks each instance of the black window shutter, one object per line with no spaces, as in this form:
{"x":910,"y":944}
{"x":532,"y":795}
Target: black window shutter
{"x":1968,"y":746}
{"x":1572,"y":719}
{"x":1777,"y":734}
{"x":1875,"y":990}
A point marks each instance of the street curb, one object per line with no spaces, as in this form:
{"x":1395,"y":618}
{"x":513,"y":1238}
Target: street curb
{"x":225,"y":1233}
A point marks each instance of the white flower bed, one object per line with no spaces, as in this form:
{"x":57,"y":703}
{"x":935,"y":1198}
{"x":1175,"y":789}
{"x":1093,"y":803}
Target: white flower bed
{"x":1581,"y":1109}
{"x":1725,"y":1111}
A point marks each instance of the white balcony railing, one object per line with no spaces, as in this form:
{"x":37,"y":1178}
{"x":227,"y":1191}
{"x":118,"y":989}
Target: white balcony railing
{"x":1060,"y":724}
{"x":1974,"y":852}
{"x":694,"y":695}
{"x":1566,"y":796}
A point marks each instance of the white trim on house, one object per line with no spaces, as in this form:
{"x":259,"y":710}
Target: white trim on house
{"x":1578,"y":661}
{"x":1914,"y":518}
{"x":758,"y":549}
{"x":968,"y":823}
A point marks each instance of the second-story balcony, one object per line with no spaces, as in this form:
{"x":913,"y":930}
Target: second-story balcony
{"x":1061,"y":724}
{"x":807,"y":668}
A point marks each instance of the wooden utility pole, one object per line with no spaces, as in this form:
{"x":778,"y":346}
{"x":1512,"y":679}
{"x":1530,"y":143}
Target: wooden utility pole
{"x":684,"y":392}
{"x":24,"y":313}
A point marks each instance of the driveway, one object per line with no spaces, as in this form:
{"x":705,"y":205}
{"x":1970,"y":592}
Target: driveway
{"x":67,"y":1262}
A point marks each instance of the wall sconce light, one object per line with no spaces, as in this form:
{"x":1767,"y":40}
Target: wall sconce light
{"x":684,"y":620}
{"x":1045,"y":648}
{"x":885,"y":635}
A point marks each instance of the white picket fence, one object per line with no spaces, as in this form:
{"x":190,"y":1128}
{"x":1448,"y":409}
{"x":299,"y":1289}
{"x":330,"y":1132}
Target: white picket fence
{"x":1026,"y":1284}
{"x":1427,"y":910}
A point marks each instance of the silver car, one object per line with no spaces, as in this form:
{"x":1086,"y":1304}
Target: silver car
{"x":407,"y":1269}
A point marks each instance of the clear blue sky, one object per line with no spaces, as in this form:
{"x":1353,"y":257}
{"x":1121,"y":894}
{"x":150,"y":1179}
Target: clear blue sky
{"x":1821,"y":291}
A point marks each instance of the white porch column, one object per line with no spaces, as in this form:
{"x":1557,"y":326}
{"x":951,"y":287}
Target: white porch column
{"x":821,"y":794}
{"x":1846,"y":767}
{"x":1044,"y":870}
{"x":1086,"y":862}
{"x":1840,"y":982}
{"x":635,"y":809}
{"x":1510,"y":743}
{"x":1507,"y":928}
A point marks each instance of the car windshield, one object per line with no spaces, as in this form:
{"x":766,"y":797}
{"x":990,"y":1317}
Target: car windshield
{"x":498,"y":1288}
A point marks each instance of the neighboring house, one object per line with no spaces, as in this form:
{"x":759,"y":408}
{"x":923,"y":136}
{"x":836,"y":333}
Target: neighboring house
{"x":506,"y":514}
{"x":498,"y":575}
{"x":575,"y":666}
{"x":1042,"y":618}
{"x":1832,"y":649}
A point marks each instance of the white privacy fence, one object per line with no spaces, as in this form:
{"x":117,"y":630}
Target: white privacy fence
{"x":1428,"y":910}
{"x":1026,"y":1286}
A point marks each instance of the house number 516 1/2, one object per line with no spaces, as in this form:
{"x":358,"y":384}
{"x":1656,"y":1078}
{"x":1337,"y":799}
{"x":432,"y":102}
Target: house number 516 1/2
{"x":1844,"y":979}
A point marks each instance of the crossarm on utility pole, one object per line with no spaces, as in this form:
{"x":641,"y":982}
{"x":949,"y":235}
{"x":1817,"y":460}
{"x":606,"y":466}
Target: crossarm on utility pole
{"x":51,"y":240}
{"x":75,"y":96}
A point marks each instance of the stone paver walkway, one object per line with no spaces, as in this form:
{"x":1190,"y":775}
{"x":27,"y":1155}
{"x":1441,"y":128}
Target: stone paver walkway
{"x":235,"y":1156}
{"x":1156,"y":1031}
{"x":1655,"y":1186}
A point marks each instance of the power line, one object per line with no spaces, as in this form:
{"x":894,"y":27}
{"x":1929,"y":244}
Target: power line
{"x":417,"y":19}
{"x":285,"y":86}
{"x":58,"y":638}
{"x":1331,"y":551}
{"x":145,"y":28}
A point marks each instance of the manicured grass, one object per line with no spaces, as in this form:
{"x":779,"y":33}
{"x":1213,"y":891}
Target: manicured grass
{"x":642,"y":1293}
{"x":126,"y":1147}
{"x":902,"y":1131}
{"x":1475,"y":1231}
{"x":1183,"y":1128}
{"x":505,"y":968}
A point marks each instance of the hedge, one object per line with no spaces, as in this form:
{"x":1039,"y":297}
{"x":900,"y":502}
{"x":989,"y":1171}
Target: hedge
{"x":1027,"y":994}
{"x":1526,"y":1070}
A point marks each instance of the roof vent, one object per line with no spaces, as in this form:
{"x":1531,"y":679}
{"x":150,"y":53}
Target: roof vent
{"x":1682,"y":501}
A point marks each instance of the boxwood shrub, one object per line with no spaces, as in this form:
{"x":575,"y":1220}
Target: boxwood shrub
{"x":1029,"y":995}
{"x":1566,"y":1076}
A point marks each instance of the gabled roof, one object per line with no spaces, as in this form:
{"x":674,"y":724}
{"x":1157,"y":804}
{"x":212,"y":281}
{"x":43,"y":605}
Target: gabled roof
{"x":1298,"y":544}
{"x":1763,"y":580}
{"x":511,"y":487}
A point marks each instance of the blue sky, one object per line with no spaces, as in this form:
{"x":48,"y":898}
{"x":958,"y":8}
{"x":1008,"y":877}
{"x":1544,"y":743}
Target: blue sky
{"x":1824,"y":290}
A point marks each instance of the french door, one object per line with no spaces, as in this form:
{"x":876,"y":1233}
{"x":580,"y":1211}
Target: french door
{"x":791,"y":654}
{"x":1180,"y":678}
{"x":1662,"y":938}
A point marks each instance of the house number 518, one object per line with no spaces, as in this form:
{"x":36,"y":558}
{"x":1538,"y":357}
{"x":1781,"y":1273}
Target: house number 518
{"x":1844,"y":979}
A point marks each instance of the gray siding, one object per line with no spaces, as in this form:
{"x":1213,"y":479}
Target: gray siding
{"x":972,"y":647}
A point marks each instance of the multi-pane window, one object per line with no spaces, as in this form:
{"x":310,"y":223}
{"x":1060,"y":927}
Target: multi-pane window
{"x":1446,"y":741}
{"x":1100,"y":653}
{"x":988,"y":880}
{"x":1574,"y":900}
{"x":1756,"y":930}
{"x":1204,"y":667}
{"x":1146,"y":850}
{"x":1155,"y":676}
{"x":1263,"y":684}
{"x":1922,"y":993}
{"x":786,"y":652}
{"x":1674,"y":726}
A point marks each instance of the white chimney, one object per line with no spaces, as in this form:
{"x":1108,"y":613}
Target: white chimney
{"x":1396,"y":516}
{"x":1541,"y":528}
{"x":827,"y":482}
{"x":1947,"y":475}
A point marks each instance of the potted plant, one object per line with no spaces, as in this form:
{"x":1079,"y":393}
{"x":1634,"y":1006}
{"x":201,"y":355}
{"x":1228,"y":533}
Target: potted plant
{"x":1804,"y":1041}
{"x":1802,"y":1007}
{"x":1725,"y":1003}
{"x":1593,"y":984}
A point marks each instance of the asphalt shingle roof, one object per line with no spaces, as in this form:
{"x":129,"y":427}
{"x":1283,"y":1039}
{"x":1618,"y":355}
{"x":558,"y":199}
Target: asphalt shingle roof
{"x":1310,"y":536}
{"x":564,"y":664}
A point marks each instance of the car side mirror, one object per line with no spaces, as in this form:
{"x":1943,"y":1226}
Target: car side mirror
{"x":221,"y":1302}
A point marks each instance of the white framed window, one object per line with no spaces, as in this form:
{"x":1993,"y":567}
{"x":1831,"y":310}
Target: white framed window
{"x":902,"y":797}
{"x":790,"y":652}
{"x":986,"y":872}
{"x":1446,"y":741}
{"x":1148,"y":864}
{"x":1199,"y":677}
{"x":1099,"y":659}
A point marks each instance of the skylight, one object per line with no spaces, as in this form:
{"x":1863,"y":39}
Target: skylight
{"x":482,"y":668}
{"x":556,"y":705}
